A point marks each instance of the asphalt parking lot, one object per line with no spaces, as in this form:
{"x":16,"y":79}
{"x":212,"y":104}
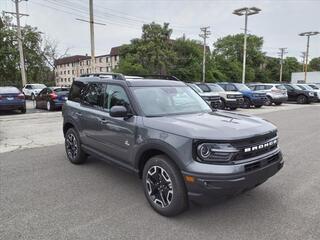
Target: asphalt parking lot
{"x":43,"y":196}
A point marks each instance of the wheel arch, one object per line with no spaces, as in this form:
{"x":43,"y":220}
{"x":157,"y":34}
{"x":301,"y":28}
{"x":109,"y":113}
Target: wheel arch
{"x":153,"y":149}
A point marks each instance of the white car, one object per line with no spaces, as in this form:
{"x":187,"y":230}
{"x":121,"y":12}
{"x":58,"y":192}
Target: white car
{"x":210,"y":97}
{"x":229,"y":99}
{"x":311,"y":87}
{"x":276,"y":93}
{"x":32,"y":90}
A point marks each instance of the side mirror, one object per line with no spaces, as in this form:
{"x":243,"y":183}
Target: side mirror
{"x":118,"y":112}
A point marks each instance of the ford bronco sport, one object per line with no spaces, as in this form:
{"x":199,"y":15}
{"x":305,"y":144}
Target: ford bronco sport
{"x":164,"y":132}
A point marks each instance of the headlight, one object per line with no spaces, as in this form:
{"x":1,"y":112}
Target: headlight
{"x":311,"y":94}
{"x":215,"y":152}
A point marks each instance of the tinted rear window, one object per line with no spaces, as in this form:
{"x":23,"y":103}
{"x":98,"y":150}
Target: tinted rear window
{"x":281,"y":87}
{"x":4,"y":90}
{"x":61,"y":90}
{"x":75,"y":91}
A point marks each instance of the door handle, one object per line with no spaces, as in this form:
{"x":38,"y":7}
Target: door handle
{"x":104,"y":121}
{"x":79,"y":114}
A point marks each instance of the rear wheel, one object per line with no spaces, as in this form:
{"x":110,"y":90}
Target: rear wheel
{"x":246,"y":103}
{"x":257,"y":106}
{"x":302,"y":99}
{"x":164,"y":186}
{"x":268,"y":101}
{"x":50,"y":107}
{"x":23,"y":110}
{"x":233,"y":108}
{"x":73,"y":147}
{"x":278,"y":103}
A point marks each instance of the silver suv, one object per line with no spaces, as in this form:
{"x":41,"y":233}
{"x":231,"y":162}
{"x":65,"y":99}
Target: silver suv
{"x":276,"y":93}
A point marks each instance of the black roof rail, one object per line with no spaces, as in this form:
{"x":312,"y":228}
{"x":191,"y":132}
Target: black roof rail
{"x":116,"y":76}
{"x":158,"y":76}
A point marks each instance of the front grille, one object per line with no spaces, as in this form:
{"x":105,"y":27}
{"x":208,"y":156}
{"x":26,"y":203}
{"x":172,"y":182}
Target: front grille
{"x":253,"y":142}
{"x":256,"y":165}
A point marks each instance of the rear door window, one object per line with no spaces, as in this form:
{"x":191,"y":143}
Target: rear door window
{"x":230,"y":87}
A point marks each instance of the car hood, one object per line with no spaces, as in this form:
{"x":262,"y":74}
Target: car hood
{"x":232,"y":92}
{"x":208,"y":94}
{"x":217,"y":125}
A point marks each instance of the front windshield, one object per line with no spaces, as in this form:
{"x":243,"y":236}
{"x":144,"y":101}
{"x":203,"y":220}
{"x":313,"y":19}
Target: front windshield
{"x":215,"y":88}
{"x":38,"y":86}
{"x":296,"y":87}
{"x":314,"y":87}
{"x":161,"y":101}
{"x":306,"y":87}
{"x":242,"y":87}
{"x":196,"y":88}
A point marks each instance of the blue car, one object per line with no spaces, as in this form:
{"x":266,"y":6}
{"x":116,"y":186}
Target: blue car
{"x":250,"y":97}
{"x":12,"y":99}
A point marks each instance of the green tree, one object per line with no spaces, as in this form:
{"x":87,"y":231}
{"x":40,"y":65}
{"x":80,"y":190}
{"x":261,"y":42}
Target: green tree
{"x":290,"y":65}
{"x":37,"y":65}
{"x":314,"y":64}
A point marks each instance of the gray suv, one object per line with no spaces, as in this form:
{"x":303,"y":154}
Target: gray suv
{"x":166,"y":134}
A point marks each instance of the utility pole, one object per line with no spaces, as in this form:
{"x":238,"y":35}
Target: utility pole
{"x":303,"y":55}
{"x":308,"y":35}
{"x":282,"y":52}
{"x":91,"y":22}
{"x":17,"y":14}
{"x":246,"y":12}
{"x":205,"y":34}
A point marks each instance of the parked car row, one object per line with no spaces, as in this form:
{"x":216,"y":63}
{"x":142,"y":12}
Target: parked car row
{"x":221,"y":95}
{"x":235,"y":95}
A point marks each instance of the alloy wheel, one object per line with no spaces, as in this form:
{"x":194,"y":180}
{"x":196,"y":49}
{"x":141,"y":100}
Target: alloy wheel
{"x":72,"y":146}
{"x":48,"y":106}
{"x":159,"y":186}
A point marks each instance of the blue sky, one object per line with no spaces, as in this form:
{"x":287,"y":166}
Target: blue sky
{"x":279,"y":22}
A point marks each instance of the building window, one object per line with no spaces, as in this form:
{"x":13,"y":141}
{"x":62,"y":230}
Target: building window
{"x":68,"y":71}
{"x":65,"y":72}
{"x":72,"y":71}
{"x":69,"y":80}
{"x":61,"y":73}
{"x":100,"y":60}
{"x":115,"y":58}
{"x":107,"y":59}
{"x":87,"y":62}
{"x":101,"y":69}
{"x":87,"y":70}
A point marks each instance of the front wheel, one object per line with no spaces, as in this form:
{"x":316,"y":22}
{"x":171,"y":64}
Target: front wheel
{"x":268,"y":101}
{"x":278,"y":103}
{"x":49,"y":106}
{"x":164,"y":187}
{"x":246,"y":103}
{"x":257,"y":106}
{"x":302,"y":99}
{"x":33,"y":97}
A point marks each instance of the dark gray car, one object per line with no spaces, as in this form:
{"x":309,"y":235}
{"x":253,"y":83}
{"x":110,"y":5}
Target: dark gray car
{"x":169,"y":136}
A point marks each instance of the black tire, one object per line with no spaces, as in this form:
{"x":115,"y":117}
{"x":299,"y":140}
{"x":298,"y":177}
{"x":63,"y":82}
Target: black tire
{"x":50,"y":106}
{"x":257,"y":106}
{"x":233,"y":108}
{"x":268,"y":101}
{"x":23,"y":110}
{"x":164,"y":187}
{"x":33,"y":97}
{"x":223,"y":104}
{"x":246,"y":103}
{"x":302,"y":99}
{"x":73,"y":147}
{"x":278,"y":103}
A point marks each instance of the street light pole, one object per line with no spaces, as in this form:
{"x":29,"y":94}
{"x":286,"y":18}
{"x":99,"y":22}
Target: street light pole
{"x":205,"y":34}
{"x":282,"y":52}
{"x":246,"y":12}
{"x":308,"y":35}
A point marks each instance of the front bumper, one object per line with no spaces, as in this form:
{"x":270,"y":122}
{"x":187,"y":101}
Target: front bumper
{"x":241,"y":177}
{"x":258,"y":101}
{"x":234,"y":103}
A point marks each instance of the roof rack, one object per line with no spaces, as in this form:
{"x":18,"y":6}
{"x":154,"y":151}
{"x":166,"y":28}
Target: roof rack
{"x":115,"y":76}
{"x":158,"y":76}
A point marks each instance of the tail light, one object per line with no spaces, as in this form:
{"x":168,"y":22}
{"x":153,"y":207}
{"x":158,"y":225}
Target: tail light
{"x":53,"y":96}
{"x":21,"y":96}
{"x":0,"y":97}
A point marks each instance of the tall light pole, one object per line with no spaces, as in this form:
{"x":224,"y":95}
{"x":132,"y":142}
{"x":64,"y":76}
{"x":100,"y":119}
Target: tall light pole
{"x":308,"y":35}
{"x":282,"y":52}
{"x":205,"y":34}
{"x":246,"y":12}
